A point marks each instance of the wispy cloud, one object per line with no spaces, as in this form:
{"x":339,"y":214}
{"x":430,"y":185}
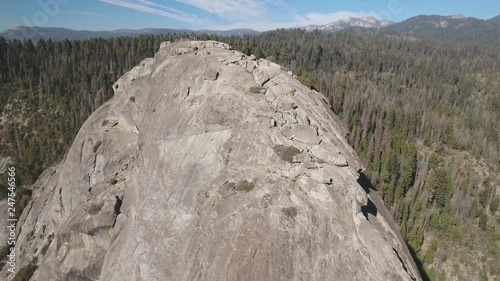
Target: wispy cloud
{"x":81,"y":13}
{"x":253,"y":14}
{"x":297,"y":20}
{"x":256,"y":14}
{"x":152,"y":4}
{"x":232,"y":9}
{"x":153,"y":8}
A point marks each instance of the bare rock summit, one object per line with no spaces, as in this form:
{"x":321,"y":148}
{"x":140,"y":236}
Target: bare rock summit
{"x":208,"y":164}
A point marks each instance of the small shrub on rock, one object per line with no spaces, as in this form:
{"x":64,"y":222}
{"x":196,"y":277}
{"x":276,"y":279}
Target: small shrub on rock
{"x":257,"y":90}
{"x":96,"y":146}
{"x":94,"y":209}
{"x":286,"y":152}
{"x":46,"y":247}
{"x":306,"y":81}
{"x":290,"y":211}
{"x":245,"y":186}
{"x":26,"y":272}
{"x":113,"y":181}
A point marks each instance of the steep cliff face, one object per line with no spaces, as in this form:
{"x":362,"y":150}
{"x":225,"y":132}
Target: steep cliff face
{"x":210,"y":165}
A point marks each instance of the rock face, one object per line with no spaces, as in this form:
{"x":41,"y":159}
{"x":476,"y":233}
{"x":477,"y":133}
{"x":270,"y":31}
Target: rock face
{"x":210,"y":165}
{"x":364,"y":22}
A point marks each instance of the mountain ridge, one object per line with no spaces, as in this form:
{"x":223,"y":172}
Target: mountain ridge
{"x":59,"y":33}
{"x":351,"y":22}
{"x":495,"y":19}
{"x":453,"y":29}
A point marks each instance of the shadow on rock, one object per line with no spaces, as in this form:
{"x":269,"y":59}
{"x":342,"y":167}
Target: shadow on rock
{"x":365,"y":183}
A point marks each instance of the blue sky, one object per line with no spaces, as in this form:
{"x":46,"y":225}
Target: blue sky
{"x":223,"y":14}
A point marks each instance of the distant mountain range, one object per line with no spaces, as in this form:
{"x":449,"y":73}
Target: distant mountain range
{"x":495,"y":19}
{"x":453,"y":29}
{"x":58,"y":34}
{"x":364,"y":22}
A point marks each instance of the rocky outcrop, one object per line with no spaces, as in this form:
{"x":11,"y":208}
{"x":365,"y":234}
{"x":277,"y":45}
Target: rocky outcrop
{"x":210,"y":165}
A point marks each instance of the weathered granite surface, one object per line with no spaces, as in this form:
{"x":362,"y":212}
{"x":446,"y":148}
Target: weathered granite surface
{"x":210,"y":165}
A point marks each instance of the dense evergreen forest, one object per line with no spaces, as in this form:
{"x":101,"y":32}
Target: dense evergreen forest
{"x":423,"y":116}
{"x":52,"y":87}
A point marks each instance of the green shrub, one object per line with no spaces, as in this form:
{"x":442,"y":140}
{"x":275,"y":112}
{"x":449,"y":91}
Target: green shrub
{"x":245,"y":186}
{"x":306,"y":81}
{"x":429,"y":255}
{"x":494,"y":205}
{"x":484,"y":196}
{"x":431,"y":273}
{"x":96,"y":146}
{"x":483,"y":218}
{"x":46,"y":246}
{"x":290,"y":211}
{"x":4,"y":251}
{"x":27,"y":271}
{"x":271,"y":58}
{"x":286,"y":152}
{"x":31,"y":235}
{"x":94,"y":209}
{"x":433,"y":161}
{"x":113,"y":181}
{"x":257,"y":90}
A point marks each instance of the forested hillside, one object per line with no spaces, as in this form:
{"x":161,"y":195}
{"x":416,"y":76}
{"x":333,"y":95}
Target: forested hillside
{"x":47,"y":91}
{"x":423,"y":116}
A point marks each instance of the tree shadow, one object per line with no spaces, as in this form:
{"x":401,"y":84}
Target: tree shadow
{"x":365,"y":183}
{"x":419,"y":264}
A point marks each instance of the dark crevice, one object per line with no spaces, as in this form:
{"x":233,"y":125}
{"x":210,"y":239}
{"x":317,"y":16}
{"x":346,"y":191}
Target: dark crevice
{"x":370,"y":208}
{"x":265,"y":81}
{"x":365,"y":183}
{"x":118,"y":206}
{"x":60,"y":198}
{"x":403,"y":264}
{"x":81,"y":150}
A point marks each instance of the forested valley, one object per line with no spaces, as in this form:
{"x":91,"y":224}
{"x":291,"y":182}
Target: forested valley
{"x":423,"y":116}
